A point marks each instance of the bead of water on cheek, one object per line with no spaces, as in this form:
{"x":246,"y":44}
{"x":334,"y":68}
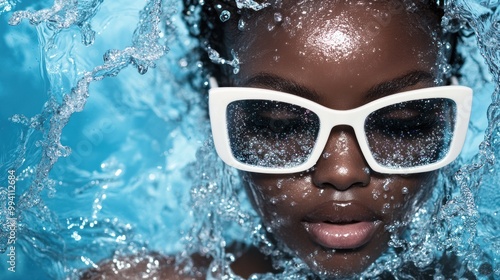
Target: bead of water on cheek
{"x":274,"y":200}
{"x":386,"y":207}
{"x":375,"y":194}
{"x":404,"y":190}
{"x":278,"y":18}
{"x":306,"y":193}
{"x":386,"y":185}
{"x":279,"y":184}
{"x":326,"y":155}
{"x":270,"y":27}
{"x":279,"y":223}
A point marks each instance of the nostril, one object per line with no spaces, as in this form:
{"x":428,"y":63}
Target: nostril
{"x":341,"y":177}
{"x":342,"y":187}
{"x":360,"y":184}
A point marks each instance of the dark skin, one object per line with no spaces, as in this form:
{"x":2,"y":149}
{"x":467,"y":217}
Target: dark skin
{"x":333,"y":61}
{"x":341,"y":56}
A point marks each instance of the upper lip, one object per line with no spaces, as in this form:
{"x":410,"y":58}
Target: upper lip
{"x":340,"y":212}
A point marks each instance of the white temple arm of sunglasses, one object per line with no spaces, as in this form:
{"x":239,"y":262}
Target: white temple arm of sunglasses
{"x":212,"y":82}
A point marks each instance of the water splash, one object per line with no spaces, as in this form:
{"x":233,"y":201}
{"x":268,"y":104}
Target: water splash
{"x":145,"y":51}
{"x":215,"y":57}
{"x":454,"y":226}
{"x":39,"y":228}
{"x":7,"y":5}
{"x":62,"y":15}
{"x":250,"y":4}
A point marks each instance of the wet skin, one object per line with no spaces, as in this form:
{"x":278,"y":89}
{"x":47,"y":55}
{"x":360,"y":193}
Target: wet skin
{"x":334,"y":216}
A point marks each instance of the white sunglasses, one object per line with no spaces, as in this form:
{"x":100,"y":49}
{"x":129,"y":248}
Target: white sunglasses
{"x":267,"y":131}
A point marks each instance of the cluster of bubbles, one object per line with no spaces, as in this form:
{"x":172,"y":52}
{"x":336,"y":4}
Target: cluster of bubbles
{"x":51,"y":197}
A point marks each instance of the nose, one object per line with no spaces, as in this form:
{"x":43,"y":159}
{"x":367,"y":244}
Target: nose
{"x":342,"y":164}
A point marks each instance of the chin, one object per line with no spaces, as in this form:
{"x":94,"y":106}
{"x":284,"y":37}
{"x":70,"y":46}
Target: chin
{"x":342,"y":265}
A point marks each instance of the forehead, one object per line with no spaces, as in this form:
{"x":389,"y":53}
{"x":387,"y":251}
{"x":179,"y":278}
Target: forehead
{"x":324,"y":45}
{"x":333,"y":29}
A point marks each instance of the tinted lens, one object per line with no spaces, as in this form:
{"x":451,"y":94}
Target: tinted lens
{"x":270,"y":133}
{"x":412,"y":133}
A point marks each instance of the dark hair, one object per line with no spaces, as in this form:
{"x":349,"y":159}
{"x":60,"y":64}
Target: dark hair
{"x":204,"y":23}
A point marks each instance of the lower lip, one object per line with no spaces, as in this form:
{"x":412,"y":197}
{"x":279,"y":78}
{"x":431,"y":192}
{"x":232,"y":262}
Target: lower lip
{"x":342,"y":236}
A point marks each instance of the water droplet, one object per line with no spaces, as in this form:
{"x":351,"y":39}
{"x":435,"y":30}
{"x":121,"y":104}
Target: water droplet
{"x":386,"y":207}
{"x":225,"y":16}
{"x":386,"y":185}
{"x":241,"y":25}
{"x":278,"y":17}
{"x":270,"y":26}
{"x":183,"y":62}
{"x":404,"y":190}
{"x":273,"y":200}
{"x":76,"y":236}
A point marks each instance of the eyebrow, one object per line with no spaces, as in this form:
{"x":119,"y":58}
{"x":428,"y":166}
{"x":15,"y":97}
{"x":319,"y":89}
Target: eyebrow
{"x":278,"y":83}
{"x":398,"y":84}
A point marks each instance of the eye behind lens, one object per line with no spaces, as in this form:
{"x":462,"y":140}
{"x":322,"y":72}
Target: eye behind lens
{"x":271,"y":133}
{"x":411,"y":134}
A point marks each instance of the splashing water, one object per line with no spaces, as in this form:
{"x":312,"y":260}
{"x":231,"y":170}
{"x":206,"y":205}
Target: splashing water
{"x":96,"y":156}
{"x":75,"y":174}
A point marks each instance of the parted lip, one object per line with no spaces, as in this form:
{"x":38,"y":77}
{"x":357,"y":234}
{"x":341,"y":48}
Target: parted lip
{"x":341,"y":225}
{"x":340,"y":212}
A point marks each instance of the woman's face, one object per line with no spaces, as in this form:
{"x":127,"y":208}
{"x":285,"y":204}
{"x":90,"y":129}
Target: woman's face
{"x":334,"y":216}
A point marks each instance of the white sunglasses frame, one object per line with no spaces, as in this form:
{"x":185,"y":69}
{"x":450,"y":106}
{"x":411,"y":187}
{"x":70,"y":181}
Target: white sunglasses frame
{"x":221,"y":97}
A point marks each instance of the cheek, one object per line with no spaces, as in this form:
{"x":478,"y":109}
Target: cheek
{"x":401,"y":196}
{"x":277,"y":199}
